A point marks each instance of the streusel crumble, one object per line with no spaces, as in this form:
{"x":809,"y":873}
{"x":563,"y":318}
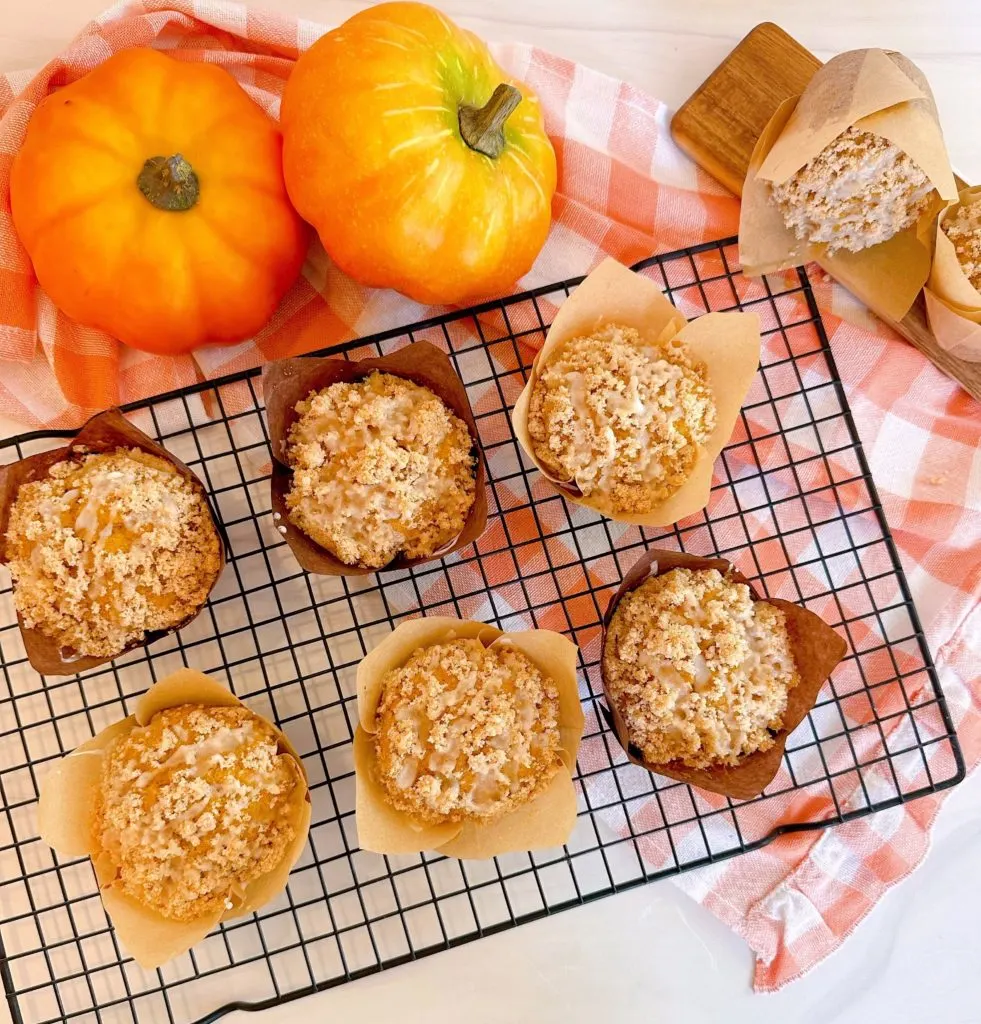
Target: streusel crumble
{"x":108,"y":547}
{"x":964,"y":231}
{"x":858,"y":191}
{"x":621,"y":417}
{"x":699,"y":672}
{"x":380,"y":467}
{"x":466,"y":732}
{"x":193,"y":807}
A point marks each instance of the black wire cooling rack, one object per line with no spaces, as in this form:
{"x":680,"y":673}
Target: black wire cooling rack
{"x":793,"y":506}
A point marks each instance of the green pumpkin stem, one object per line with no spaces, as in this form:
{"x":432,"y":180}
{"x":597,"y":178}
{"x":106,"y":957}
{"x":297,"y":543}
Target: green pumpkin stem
{"x":169,"y":182}
{"x":482,"y":128}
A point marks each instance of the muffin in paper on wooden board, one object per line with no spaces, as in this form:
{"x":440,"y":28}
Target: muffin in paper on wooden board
{"x":953,"y":295}
{"x":172,"y":580}
{"x":411,"y":813}
{"x":854,"y":172}
{"x":816,"y":649}
{"x":211,"y":795}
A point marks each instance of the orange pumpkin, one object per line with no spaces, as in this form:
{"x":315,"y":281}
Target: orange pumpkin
{"x":421,"y":164}
{"x":150,"y":197}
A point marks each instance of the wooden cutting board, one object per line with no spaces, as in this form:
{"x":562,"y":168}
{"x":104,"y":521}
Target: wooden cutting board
{"x":718,"y":128}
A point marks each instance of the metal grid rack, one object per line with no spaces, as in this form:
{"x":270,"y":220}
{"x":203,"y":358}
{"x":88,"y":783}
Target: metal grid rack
{"x":793,"y":506}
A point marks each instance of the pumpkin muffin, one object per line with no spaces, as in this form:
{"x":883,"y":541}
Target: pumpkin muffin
{"x":466,"y":732}
{"x":192,"y":807}
{"x":621,"y":417}
{"x":860,"y":190}
{"x":964,"y":232}
{"x":109,"y":547}
{"x":699,"y":672}
{"x":381,"y":468}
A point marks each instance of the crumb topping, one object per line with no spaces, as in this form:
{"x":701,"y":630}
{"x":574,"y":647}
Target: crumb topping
{"x":193,"y":807}
{"x":380,"y":467}
{"x":466,"y":732}
{"x":108,"y":547}
{"x":698,"y":670}
{"x":964,"y":232}
{"x":621,"y":417}
{"x":858,"y":191}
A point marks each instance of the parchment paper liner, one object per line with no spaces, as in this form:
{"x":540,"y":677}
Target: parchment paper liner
{"x":106,"y":431}
{"x":543,"y":822}
{"x":728,"y":344}
{"x":288,"y":381}
{"x":875,"y":90}
{"x":953,"y":304}
{"x":65,"y":822}
{"x":817,"y":649}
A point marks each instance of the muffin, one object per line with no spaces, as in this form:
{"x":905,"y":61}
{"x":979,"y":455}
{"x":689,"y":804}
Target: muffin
{"x":628,"y":404}
{"x":193,"y":807}
{"x":700,"y":673}
{"x":860,"y":190}
{"x":963,"y":229}
{"x":381,"y":468}
{"x":109,"y":547}
{"x":621,"y":416}
{"x":467,"y":739}
{"x":466,"y":732}
{"x":193,"y":811}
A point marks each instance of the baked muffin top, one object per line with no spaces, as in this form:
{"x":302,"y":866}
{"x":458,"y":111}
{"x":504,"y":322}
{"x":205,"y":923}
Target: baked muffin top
{"x":858,"y":191}
{"x":466,"y":732}
{"x":621,"y":417}
{"x":964,"y":231}
{"x":193,"y":806}
{"x":381,"y":467}
{"x":108,"y":547}
{"x":699,"y":672}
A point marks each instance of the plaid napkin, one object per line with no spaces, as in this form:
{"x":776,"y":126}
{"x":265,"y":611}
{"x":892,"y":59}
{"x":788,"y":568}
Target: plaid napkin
{"x":624,"y":190}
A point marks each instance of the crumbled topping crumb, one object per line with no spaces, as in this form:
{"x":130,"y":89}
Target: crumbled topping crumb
{"x":108,"y":547}
{"x":380,"y":467}
{"x":466,"y":732}
{"x":621,"y":417}
{"x":193,"y":807}
{"x":699,"y":672}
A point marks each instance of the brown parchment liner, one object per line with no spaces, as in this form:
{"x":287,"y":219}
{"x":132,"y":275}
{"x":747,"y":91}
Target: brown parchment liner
{"x":727,"y":343}
{"x":288,"y":381}
{"x":104,"y":432}
{"x":66,"y":823}
{"x":543,"y":822}
{"x":873,"y":90}
{"x":953,"y":304}
{"x":817,"y":648}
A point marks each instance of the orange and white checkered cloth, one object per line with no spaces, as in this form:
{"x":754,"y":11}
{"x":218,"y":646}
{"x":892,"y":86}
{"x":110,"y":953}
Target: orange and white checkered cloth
{"x":624,"y":190}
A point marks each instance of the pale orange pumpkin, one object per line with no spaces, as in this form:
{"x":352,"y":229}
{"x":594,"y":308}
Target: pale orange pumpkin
{"x":150,"y":197}
{"x":421,"y":164}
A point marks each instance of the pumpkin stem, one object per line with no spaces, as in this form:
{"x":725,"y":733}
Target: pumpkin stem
{"x":482,"y":128}
{"x":169,"y":182}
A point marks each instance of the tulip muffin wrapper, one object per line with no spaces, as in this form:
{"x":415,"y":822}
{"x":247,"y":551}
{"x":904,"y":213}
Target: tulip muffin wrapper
{"x":104,"y":432}
{"x":872,"y":90}
{"x":66,"y":823}
{"x":289,"y":381}
{"x":543,"y":822}
{"x":817,"y":649}
{"x":953,"y":304}
{"x":727,"y":343}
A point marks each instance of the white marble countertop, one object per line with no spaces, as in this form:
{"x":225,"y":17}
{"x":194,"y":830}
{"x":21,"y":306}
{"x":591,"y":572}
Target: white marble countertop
{"x":652,"y":953}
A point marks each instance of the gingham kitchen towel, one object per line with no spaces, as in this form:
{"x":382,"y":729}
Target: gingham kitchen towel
{"x":624,"y":190}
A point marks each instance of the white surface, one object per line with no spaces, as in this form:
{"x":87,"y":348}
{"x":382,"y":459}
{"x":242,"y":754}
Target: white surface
{"x":652,"y":954}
